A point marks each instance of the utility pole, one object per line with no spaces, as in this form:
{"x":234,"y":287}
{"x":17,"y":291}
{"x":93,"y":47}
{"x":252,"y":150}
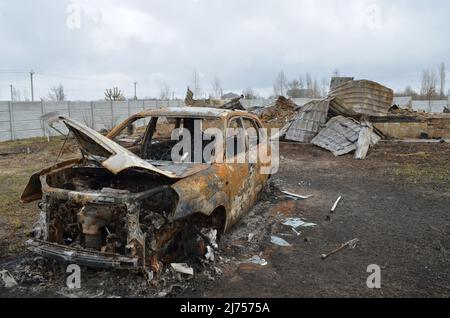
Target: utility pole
{"x":32,"y":87}
{"x":12,"y":94}
{"x":135,"y":96}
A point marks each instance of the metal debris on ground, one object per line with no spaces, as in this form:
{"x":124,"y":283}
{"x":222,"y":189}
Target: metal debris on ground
{"x":297,"y":196}
{"x":350,"y":244}
{"x":8,"y":279}
{"x":256,"y":259}
{"x":333,"y":208}
{"x":182,"y":268}
{"x":297,"y":222}
{"x":279,"y":241}
{"x":341,"y":135}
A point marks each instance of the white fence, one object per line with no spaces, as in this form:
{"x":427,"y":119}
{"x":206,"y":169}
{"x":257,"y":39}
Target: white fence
{"x":20,"y":120}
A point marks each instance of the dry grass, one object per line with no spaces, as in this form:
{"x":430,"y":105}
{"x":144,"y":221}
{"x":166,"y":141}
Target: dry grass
{"x":16,"y":218}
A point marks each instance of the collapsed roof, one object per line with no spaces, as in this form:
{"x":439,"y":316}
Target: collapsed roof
{"x":341,"y":135}
{"x":364,"y":97}
{"x":307,"y":122}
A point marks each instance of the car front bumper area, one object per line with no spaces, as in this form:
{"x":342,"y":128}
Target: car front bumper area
{"x":81,"y":256}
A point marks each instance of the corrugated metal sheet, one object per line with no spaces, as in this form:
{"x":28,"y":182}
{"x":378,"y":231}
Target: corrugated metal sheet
{"x":365,"y":97}
{"x":338,"y":108}
{"x":307,"y":122}
{"x":339,"y":136}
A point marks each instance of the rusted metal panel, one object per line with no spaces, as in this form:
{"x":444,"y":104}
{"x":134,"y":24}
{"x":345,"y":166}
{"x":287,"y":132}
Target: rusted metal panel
{"x":365,"y":97}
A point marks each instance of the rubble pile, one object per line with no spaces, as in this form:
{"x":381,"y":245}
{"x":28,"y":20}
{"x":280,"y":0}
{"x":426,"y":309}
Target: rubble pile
{"x":339,"y":123}
{"x":279,"y":113}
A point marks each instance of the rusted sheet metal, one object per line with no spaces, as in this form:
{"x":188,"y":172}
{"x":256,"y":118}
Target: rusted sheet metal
{"x":341,"y":134}
{"x":365,"y":97}
{"x":307,"y":122}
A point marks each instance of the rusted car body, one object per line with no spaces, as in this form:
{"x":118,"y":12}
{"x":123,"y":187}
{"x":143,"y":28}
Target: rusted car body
{"x":125,"y":204}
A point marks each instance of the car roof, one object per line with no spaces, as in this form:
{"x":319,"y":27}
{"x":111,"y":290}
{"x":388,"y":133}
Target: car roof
{"x":186,"y":112}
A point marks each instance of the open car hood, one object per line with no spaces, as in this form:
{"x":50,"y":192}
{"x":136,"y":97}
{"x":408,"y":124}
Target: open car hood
{"x":116,"y":158}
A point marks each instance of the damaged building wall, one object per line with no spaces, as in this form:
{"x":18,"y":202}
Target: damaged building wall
{"x":413,"y":127}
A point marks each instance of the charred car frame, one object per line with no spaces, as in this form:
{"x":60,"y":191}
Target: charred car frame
{"x":125,"y":204}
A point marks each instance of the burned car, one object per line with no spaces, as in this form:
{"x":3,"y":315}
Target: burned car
{"x":127,"y":204}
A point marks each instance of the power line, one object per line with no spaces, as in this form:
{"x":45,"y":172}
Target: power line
{"x":82,"y":78}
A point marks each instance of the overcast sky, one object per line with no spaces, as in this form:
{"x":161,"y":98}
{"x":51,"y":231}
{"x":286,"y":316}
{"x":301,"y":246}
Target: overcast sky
{"x":244,"y":43}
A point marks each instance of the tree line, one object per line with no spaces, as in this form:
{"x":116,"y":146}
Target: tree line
{"x":433,"y":85}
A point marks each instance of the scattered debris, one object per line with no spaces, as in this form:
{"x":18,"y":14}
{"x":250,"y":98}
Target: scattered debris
{"x":209,"y":253}
{"x":8,"y":279}
{"x":256,"y":259}
{"x":182,"y":268}
{"x":364,"y":141}
{"x":350,"y":244}
{"x":336,"y":204}
{"x":341,"y":135}
{"x":297,"y":196}
{"x":280,"y":113}
{"x":279,"y":241}
{"x":297,"y":222}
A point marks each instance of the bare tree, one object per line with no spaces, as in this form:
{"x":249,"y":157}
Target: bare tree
{"x":294,"y":90}
{"x":280,"y":85}
{"x":114,"y":94}
{"x":316,"y":89}
{"x":309,"y":81}
{"x":325,"y":87}
{"x":428,"y":82}
{"x":442,"y":77}
{"x":57,"y":94}
{"x":217,"y":88}
{"x":428,"y":88}
{"x":249,"y":93}
{"x":301,"y":82}
{"x":196,"y":84}
{"x":165,"y":92}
